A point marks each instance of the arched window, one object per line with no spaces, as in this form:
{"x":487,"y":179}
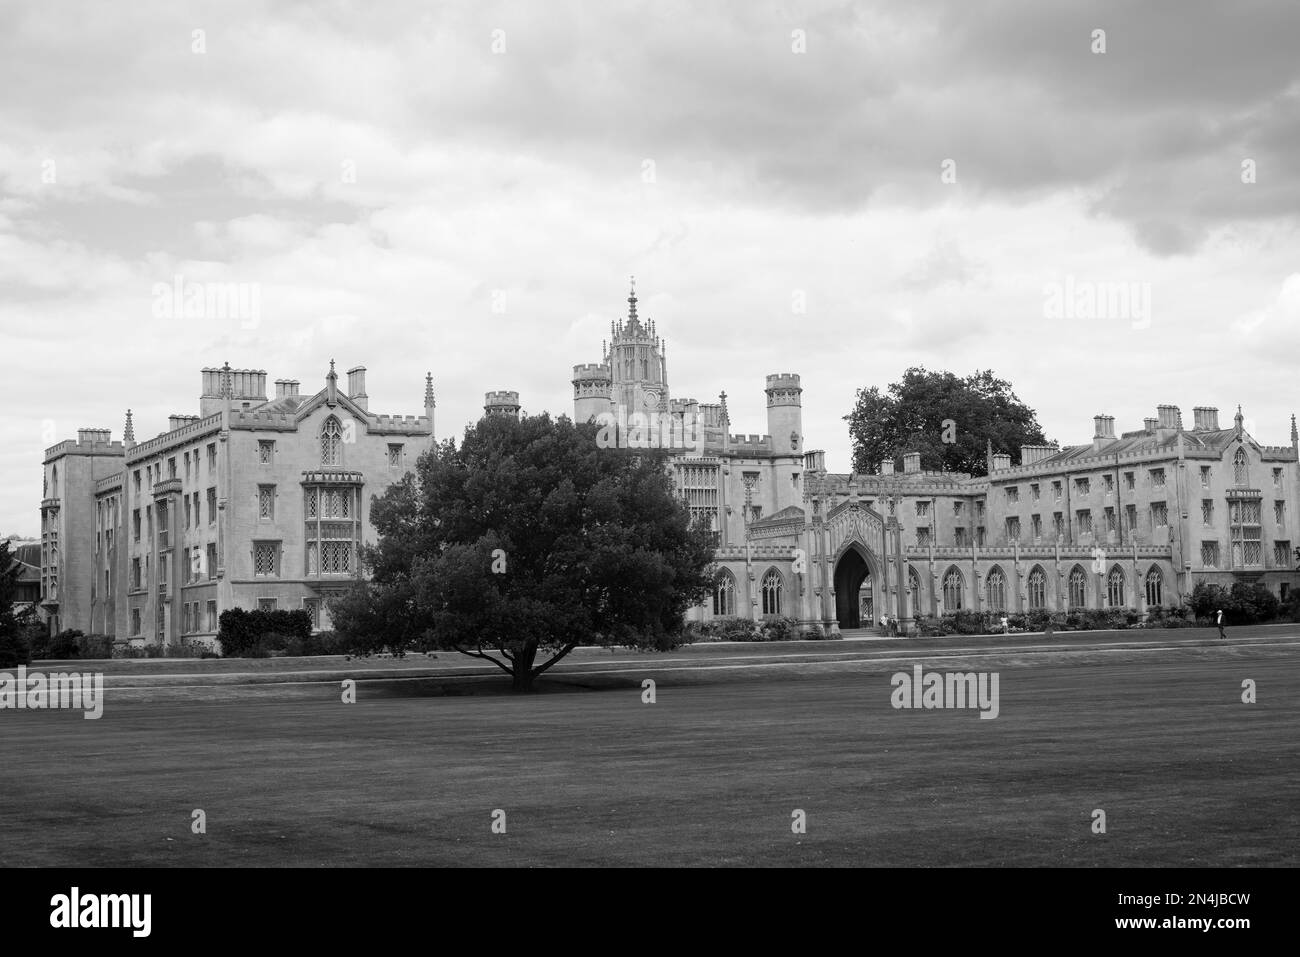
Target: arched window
{"x":1239,"y":471}
{"x":953,"y":586}
{"x":1037,"y":589}
{"x":772,"y":585}
{"x":331,"y":442}
{"x":995,"y":590}
{"x":914,"y":583}
{"x":1155,"y":587}
{"x":1115,"y":588}
{"x":724,"y":594}
{"x":1078,"y":588}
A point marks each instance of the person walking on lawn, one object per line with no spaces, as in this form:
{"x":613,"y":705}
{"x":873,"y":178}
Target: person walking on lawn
{"x":1218,"y":620}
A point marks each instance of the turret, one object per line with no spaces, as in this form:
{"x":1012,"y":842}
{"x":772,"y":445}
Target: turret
{"x":785,"y":425}
{"x":591,"y":391}
{"x":785,"y":413}
{"x":503,"y":403}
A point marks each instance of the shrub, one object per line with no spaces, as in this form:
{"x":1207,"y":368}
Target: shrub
{"x":190,"y":649}
{"x":242,"y":632}
{"x":332,"y":643}
{"x":928,"y":626}
{"x":814,"y":633}
{"x":735,"y":629}
{"x":779,"y":629}
{"x":60,"y":647}
{"x":95,"y":646}
{"x":15,"y":648}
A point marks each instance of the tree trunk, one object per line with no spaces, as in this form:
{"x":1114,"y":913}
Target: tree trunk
{"x":524,"y":673}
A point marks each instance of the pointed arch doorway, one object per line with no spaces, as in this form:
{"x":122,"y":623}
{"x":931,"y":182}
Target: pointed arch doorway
{"x":854,"y":592}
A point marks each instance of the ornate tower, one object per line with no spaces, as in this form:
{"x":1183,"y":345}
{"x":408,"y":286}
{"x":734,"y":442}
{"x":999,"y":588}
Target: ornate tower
{"x":638,"y":368}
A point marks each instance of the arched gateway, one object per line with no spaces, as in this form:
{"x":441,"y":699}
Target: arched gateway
{"x":856,"y":601}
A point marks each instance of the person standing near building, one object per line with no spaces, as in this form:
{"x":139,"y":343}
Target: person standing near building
{"x":884,"y":625}
{"x":1006,"y":626}
{"x":1218,"y":620}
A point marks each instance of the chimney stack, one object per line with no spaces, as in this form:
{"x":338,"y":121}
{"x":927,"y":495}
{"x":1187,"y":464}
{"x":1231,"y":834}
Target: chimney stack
{"x":357,"y":386}
{"x":1206,"y":418}
{"x":912,"y":462}
{"x":286,"y":388}
{"x":1001,"y":461}
{"x":1150,"y":424}
{"x":1031,"y":454}
{"x":886,"y":466}
{"x":1167,"y":416}
{"x":814,"y":460}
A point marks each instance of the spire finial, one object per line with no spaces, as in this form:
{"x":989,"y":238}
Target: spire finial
{"x":1239,"y":419}
{"x":428,"y":390}
{"x":631,"y":302}
{"x":332,"y":367}
{"x":128,"y":434}
{"x":1295,"y":435}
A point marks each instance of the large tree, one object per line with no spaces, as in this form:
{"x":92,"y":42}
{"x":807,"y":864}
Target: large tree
{"x":14,"y":648}
{"x":950,"y":420}
{"x":526,"y":541}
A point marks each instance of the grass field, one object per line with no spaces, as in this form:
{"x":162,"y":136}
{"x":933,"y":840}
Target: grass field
{"x":709,"y":774}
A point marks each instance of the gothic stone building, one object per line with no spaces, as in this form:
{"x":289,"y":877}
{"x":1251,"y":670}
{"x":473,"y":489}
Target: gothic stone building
{"x":252,"y":503}
{"x":1131,"y":521}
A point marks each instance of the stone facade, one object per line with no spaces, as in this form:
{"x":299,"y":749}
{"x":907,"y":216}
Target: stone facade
{"x":1133,"y":521}
{"x":255,"y":502}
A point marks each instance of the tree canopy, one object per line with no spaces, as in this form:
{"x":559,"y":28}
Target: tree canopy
{"x":13,"y":643}
{"x":529,"y":539}
{"x":950,"y":420}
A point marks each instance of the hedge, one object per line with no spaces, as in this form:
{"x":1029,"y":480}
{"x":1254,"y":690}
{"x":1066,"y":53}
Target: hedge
{"x":254,"y":634}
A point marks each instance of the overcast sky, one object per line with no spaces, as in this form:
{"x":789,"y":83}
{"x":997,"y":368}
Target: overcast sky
{"x":841,"y":190}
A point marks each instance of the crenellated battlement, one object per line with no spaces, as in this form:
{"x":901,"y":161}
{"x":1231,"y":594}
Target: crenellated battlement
{"x":87,"y":442}
{"x":185,"y":433}
{"x":592,"y":370}
{"x":784,"y":380}
{"x":109,"y":483}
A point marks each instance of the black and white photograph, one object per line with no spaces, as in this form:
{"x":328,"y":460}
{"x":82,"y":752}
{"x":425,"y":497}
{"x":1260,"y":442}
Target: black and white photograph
{"x":648,"y":434}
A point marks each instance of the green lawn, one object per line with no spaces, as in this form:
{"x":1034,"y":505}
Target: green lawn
{"x":709,"y":774}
